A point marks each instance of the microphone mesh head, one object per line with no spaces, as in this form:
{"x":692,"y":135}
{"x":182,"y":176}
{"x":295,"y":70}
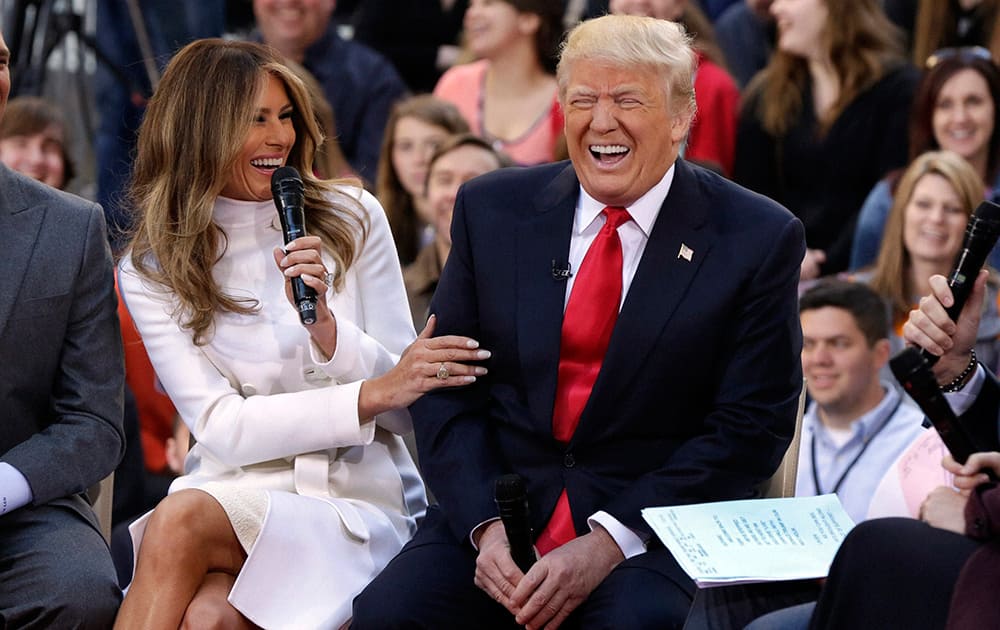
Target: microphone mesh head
{"x":988,"y":210}
{"x":286,"y":180}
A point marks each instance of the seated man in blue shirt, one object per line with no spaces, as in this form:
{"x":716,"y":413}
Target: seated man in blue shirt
{"x":856,"y":425}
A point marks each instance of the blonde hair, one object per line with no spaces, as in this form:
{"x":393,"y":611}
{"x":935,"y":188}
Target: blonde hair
{"x":861,"y":43}
{"x":189,"y":144}
{"x":629,"y":41}
{"x":890,"y":277}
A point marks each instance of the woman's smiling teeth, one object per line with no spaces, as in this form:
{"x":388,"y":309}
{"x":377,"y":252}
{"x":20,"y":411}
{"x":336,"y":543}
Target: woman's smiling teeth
{"x":608,"y":152}
{"x":269,"y":163}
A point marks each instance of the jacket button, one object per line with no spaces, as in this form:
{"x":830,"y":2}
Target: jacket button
{"x":248,"y":390}
{"x":569,"y":461}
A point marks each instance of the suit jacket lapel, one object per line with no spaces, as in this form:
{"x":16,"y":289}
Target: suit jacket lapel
{"x":658,"y":287}
{"x":543,"y":237}
{"x":18,"y":233}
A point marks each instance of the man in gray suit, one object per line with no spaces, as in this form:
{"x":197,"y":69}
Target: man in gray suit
{"x":61,"y":379}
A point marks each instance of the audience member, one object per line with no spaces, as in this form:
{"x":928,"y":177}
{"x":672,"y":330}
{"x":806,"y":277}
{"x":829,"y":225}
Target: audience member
{"x":415,"y":128}
{"x":746,"y":34}
{"x":305,"y":488}
{"x":955,"y":108}
{"x":61,"y":382}
{"x":457,"y":160}
{"x":924,"y":233}
{"x":419,"y":37}
{"x":123,"y":83}
{"x":955,"y":23}
{"x":712,"y":139}
{"x":330,"y":161}
{"x":33,"y":141}
{"x":688,"y":394}
{"x":361,"y":84}
{"x":826,"y":119}
{"x":903,"y":573}
{"x":509,"y":95}
{"x":856,"y":425}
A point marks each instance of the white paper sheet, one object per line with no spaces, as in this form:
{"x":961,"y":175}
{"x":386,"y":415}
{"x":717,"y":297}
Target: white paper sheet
{"x":760,"y":540}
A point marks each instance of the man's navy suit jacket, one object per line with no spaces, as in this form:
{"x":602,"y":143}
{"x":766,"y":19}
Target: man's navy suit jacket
{"x":697,"y":395}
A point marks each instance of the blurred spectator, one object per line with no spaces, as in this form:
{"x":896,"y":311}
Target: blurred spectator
{"x":746,"y":34}
{"x":954,"y":23}
{"x":360,"y":84}
{"x":826,"y":119}
{"x":330,"y":161}
{"x":935,"y":198}
{"x":416,"y":127}
{"x":168,"y":26}
{"x":455,"y":161}
{"x":856,"y":424}
{"x":419,"y":37}
{"x":712,"y":139}
{"x":955,"y":108}
{"x":510,"y":96}
{"x":33,"y":141}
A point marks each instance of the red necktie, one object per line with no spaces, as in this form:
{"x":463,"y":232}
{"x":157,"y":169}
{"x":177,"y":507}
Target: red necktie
{"x":586,"y":331}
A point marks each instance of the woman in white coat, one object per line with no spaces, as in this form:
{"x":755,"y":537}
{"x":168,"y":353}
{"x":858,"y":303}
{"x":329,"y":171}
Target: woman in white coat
{"x":299,"y":489}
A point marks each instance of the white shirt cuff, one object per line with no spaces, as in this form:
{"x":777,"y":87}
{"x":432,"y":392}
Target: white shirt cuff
{"x":472,"y":534}
{"x":14,"y":489}
{"x":627,"y":540}
{"x":962,"y":400}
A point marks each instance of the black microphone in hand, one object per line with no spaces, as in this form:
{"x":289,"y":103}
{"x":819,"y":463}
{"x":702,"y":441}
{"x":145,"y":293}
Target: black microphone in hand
{"x":980,"y":236}
{"x":287,"y":190}
{"x":512,"y":503}
{"x":912,"y":366}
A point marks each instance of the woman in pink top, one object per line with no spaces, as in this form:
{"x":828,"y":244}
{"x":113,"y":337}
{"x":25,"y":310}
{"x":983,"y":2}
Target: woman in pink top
{"x":509,"y":96}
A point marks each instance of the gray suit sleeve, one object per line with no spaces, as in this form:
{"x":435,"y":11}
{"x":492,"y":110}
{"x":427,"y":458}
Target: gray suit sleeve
{"x":84,"y":441}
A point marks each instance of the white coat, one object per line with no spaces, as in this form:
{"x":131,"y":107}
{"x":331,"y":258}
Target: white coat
{"x":268,"y":412}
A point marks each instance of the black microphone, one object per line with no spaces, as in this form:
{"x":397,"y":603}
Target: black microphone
{"x":287,"y":190}
{"x":980,"y":236}
{"x":560,"y":271}
{"x":512,"y":503}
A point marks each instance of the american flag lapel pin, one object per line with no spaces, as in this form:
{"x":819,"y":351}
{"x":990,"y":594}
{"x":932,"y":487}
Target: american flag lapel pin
{"x":686,"y":252}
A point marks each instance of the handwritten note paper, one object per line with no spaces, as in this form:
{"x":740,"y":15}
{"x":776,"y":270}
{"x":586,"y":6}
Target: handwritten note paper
{"x":761,"y":540}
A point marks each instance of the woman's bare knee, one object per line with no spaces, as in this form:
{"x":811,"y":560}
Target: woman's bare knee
{"x":191,"y":523}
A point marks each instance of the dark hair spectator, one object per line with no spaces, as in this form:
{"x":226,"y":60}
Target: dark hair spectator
{"x":826,"y":119}
{"x":34,"y":140}
{"x":955,"y":108}
{"x":415,"y":127}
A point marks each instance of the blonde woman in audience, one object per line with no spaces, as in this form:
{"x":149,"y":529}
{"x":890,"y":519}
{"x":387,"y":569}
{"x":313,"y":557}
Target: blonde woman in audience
{"x":415,"y":128}
{"x":826,"y":119}
{"x":299,"y":485}
{"x":937,"y":194}
{"x":509,"y":95}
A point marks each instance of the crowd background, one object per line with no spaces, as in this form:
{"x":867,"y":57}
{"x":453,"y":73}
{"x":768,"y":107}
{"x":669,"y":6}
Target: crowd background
{"x":818,"y":113}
